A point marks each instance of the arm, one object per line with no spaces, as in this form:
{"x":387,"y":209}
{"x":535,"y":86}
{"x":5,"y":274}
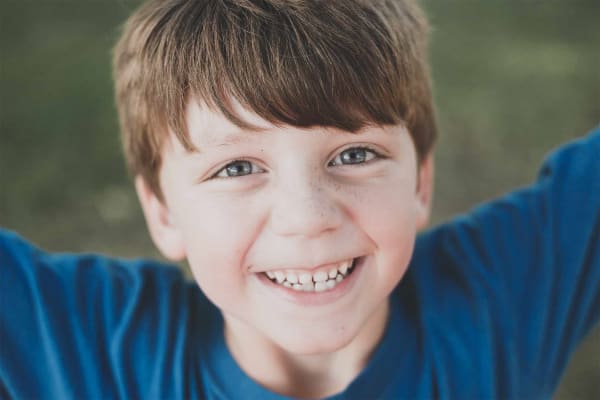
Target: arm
{"x":512,"y":287}
{"x":86,"y":326}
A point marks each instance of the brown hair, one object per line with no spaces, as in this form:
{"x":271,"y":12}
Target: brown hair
{"x":335,"y":63}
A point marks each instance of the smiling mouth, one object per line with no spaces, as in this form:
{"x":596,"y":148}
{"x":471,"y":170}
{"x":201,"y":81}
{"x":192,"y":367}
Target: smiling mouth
{"x":320,"y":280}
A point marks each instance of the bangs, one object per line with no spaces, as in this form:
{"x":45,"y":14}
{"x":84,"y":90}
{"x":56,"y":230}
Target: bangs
{"x":288,"y":63}
{"x":338,"y":63}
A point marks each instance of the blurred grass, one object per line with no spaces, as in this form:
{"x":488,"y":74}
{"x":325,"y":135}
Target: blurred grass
{"x":512,"y":80}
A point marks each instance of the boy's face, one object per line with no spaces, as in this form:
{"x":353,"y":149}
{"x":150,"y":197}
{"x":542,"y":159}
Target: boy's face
{"x":291,"y":202}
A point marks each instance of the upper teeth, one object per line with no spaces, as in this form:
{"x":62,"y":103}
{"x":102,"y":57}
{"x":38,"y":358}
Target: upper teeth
{"x":319,"y":280}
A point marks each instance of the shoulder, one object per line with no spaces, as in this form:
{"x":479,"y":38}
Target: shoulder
{"x":544,"y":234}
{"x":35,"y":273}
{"x":562,"y":204}
{"x":89,"y":322}
{"x":516,"y":275}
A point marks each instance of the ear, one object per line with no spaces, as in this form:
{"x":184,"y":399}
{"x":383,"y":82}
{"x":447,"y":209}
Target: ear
{"x":424,"y":195}
{"x":164,"y":232}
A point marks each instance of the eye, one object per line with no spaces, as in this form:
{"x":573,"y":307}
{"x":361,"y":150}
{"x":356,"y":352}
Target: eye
{"x":354,"y":155}
{"x":238,"y":168}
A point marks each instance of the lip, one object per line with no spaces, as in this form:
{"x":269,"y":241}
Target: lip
{"x":301,"y":298}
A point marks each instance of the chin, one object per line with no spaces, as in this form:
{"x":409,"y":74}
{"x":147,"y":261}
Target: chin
{"x":313,"y":341}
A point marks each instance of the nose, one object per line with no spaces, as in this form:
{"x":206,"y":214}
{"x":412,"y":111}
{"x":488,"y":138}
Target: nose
{"x":302,"y":208}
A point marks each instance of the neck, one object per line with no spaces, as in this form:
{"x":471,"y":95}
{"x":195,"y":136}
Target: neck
{"x":298,"y":375}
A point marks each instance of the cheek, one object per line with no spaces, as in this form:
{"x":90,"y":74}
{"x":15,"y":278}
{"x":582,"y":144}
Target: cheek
{"x":387,"y":216}
{"x":387,"y":210}
{"x":217,"y":234}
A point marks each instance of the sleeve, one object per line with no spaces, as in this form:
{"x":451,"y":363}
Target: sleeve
{"x":87,"y":326}
{"x":514,"y":286}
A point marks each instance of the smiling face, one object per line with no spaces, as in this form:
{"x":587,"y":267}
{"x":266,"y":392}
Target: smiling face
{"x":270,"y":221}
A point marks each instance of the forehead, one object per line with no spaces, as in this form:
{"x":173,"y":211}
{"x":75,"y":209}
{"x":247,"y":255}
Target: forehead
{"x":207,"y":126}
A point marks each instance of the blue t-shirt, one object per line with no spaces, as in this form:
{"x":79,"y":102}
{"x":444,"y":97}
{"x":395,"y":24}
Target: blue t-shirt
{"x":492,"y":306}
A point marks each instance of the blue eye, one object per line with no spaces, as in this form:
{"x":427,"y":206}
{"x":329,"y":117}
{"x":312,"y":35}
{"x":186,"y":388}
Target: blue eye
{"x":353,"y":156}
{"x":238,"y":168}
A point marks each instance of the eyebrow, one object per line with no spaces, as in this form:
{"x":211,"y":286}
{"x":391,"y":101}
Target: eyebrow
{"x":233,"y":139}
{"x":220,"y":140}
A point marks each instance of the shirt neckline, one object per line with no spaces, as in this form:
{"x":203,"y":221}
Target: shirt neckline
{"x":223,"y":378}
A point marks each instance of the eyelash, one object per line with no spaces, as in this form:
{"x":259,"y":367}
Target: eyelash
{"x":375,"y":155}
{"x":254,"y":168}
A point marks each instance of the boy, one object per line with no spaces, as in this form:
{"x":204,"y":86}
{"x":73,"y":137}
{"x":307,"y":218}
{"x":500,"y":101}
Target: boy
{"x":284,"y":149}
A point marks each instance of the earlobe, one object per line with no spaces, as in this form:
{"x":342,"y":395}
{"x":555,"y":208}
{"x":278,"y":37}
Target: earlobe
{"x":424,"y":195}
{"x":164,"y":232}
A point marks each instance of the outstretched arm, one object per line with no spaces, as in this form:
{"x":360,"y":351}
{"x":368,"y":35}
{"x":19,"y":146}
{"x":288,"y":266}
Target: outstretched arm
{"x":513,"y":286}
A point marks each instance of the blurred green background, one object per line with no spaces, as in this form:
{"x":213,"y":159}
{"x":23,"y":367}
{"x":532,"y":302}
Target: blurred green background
{"x":512,"y":80}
